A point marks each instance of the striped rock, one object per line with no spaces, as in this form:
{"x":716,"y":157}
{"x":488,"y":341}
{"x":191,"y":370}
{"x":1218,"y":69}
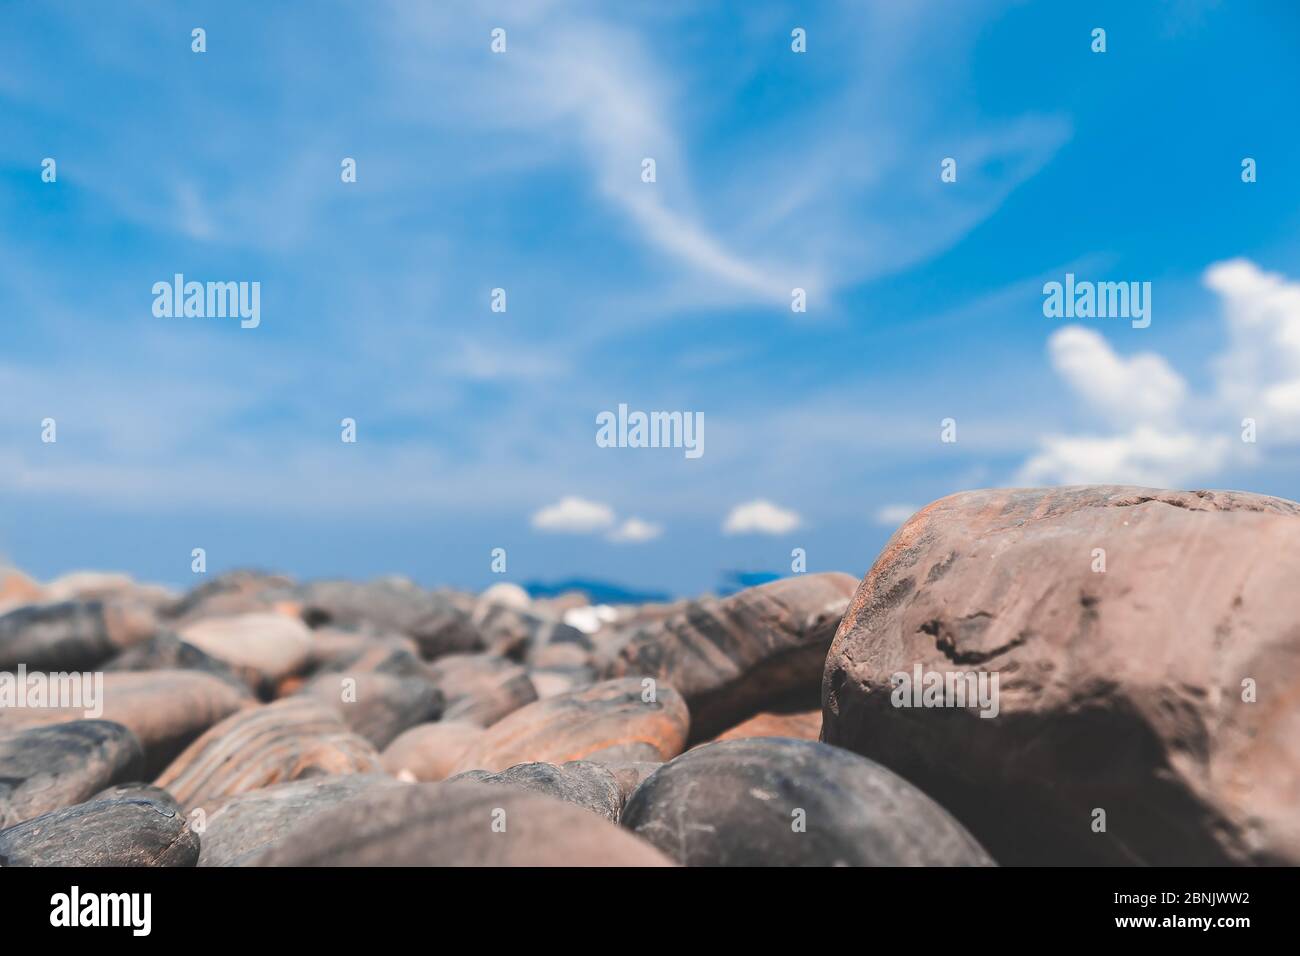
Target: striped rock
{"x":132,"y":830}
{"x":272,"y":743}
{"x":729,"y":658}
{"x":47,"y":768}
{"x":580,"y":782}
{"x":71,"y":636}
{"x":429,"y":752}
{"x":377,"y":706}
{"x":433,"y":620}
{"x":806,"y":725}
{"x":775,"y":802}
{"x":609,"y":721}
{"x":481,"y":688}
{"x":239,"y":827}
{"x":458,"y":824}
{"x":165,"y":710}
{"x":262,"y":648}
{"x":1161,"y":690}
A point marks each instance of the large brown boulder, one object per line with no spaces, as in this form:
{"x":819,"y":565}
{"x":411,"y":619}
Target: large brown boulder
{"x":611,"y":721}
{"x":458,"y":824}
{"x":772,"y":801}
{"x":274,"y":743}
{"x":1156,"y":697}
{"x":730,"y":658}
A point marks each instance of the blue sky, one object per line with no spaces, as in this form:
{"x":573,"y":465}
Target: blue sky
{"x":522,"y":171}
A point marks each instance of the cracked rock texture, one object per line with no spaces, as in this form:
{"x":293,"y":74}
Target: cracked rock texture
{"x":1163,"y":690}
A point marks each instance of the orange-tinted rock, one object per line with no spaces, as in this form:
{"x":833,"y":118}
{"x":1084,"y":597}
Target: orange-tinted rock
{"x":429,"y":752}
{"x":806,"y":725}
{"x":273,"y":743}
{"x":609,"y":721}
{"x":729,"y":658}
{"x":458,"y":824}
{"x":1161,"y":690}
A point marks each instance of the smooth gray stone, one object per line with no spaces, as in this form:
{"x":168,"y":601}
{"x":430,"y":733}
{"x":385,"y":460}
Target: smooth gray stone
{"x":431,"y":619}
{"x":121,"y":831}
{"x":579,"y":781}
{"x":71,"y":636}
{"x":246,"y":824}
{"x":741,"y":802}
{"x":168,"y":652}
{"x":56,"y":765}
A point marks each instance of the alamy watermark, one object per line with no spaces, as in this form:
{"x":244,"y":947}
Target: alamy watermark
{"x":60,"y":689}
{"x":651,"y":430}
{"x":1101,"y":300}
{"x":210,"y":300}
{"x":965,"y":689}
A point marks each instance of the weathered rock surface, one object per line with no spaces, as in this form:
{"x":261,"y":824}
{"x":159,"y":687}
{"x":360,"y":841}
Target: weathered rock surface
{"x":481,"y":688}
{"x":517,"y":632}
{"x":164,"y":709}
{"x":580,"y":782}
{"x":777,"y":802}
{"x":46,"y":768}
{"x":805,"y":725}
{"x":429,"y":752}
{"x":377,"y":706}
{"x":238,"y":827}
{"x":262,"y":648}
{"x":273,"y":743}
{"x":606,"y":722}
{"x":131,"y":830}
{"x":730,"y":658}
{"x":436,"y":624}
{"x":1119,"y":690}
{"x":458,"y":824}
{"x":71,"y":636}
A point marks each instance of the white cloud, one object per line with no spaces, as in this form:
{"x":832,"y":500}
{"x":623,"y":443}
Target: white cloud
{"x":1140,"y":388}
{"x":760,"y":517}
{"x":1144,"y":456}
{"x":635,"y":531}
{"x":895,"y":514}
{"x":1163,"y":434}
{"x":1259,"y":373}
{"x":573,"y":515}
